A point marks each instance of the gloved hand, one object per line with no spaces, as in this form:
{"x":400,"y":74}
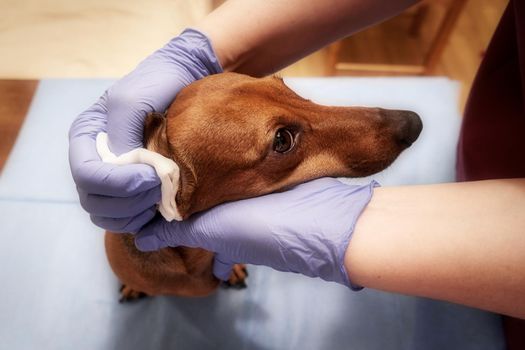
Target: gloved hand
{"x":123,"y":198}
{"x":305,"y":230}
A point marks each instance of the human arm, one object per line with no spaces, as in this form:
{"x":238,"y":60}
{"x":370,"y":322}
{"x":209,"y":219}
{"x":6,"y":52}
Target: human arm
{"x":461,"y":242}
{"x":260,"y":37}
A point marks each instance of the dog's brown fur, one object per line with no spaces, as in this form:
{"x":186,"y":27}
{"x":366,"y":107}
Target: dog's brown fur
{"x":220,"y":131}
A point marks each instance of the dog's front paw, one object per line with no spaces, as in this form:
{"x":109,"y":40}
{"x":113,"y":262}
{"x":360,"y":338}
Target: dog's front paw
{"x":237,"y":278}
{"x":128,"y":294}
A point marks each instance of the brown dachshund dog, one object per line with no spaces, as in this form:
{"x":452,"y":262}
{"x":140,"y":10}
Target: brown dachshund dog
{"x":236,"y":137}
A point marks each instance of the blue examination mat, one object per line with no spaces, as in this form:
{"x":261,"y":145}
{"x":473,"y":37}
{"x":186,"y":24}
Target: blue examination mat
{"x":58,"y":292}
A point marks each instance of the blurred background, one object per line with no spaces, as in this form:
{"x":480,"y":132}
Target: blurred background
{"x":107,"y":38}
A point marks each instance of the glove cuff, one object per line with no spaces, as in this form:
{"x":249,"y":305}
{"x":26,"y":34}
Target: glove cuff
{"x":361,"y":199}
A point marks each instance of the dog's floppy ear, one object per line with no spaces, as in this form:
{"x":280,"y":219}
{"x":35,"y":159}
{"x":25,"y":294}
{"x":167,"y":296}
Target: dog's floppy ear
{"x":156,"y":142}
{"x":155,"y":138}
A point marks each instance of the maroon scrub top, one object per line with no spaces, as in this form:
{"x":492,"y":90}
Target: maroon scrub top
{"x":492,"y":139}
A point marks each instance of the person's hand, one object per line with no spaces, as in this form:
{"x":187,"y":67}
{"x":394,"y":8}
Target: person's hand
{"x":305,"y":230}
{"x":123,"y":198}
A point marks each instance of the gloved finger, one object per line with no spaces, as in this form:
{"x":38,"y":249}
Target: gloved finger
{"x":131,"y":99}
{"x":148,"y":241}
{"x":119,"y":207}
{"x":222,"y":267}
{"x":125,"y":225}
{"x":159,"y":234}
{"x":96,"y":177}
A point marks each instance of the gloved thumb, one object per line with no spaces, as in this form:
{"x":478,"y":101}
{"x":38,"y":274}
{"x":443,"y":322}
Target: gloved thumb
{"x":222,"y":267}
{"x":150,"y":236}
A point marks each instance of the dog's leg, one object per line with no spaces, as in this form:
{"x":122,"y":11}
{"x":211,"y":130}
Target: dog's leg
{"x":170,"y":271}
{"x":128,"y":294}
{"x":237,"y":278}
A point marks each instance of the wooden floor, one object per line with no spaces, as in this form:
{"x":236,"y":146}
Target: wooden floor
{"x":84,"y":52}
{"x":15,"y":97}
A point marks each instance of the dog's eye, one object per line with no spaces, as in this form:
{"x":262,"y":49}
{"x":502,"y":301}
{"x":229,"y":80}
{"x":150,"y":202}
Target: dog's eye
{"x":283,"y":141}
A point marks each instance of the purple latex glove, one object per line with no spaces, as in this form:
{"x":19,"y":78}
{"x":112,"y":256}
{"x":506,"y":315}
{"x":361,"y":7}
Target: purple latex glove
{"x":123,"y":198}
{"x":305,"y":230}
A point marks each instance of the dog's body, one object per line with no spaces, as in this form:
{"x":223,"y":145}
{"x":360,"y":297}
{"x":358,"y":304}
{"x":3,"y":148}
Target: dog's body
{"x":236,"y":137}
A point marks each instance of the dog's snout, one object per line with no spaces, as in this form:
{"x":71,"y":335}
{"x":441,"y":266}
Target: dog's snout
{"x":411,"y":128}
{"x":407,"y":126}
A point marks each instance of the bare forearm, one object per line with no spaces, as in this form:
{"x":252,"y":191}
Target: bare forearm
{"x":462,"y":242}
{"x":260,"y":37}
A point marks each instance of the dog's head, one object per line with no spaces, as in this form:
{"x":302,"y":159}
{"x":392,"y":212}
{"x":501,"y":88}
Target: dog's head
{"x":235,"y":137}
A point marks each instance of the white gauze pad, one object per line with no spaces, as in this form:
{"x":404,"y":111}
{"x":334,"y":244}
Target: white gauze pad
{"x":166,"y":169}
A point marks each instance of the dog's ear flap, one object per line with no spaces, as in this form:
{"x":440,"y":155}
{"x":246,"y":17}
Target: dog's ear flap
{"x":155,"y":138}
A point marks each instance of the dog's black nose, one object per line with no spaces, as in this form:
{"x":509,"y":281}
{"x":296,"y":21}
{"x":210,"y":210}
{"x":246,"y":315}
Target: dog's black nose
{"x":410,"y":128}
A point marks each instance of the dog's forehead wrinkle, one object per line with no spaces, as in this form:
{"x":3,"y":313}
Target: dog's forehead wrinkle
{"x":270,"y":89}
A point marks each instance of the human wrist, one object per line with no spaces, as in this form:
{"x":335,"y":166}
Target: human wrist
{"x":327,"y":235}
{"x":228,"y":57}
